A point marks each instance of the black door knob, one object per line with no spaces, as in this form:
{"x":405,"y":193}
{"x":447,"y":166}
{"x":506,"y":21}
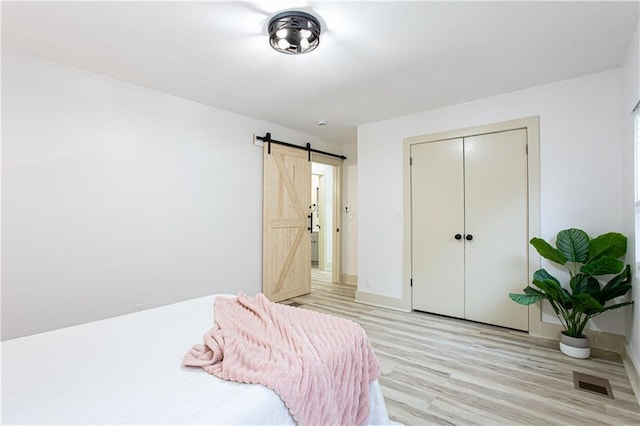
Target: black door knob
{"x":458,"y":237}
{"x":469,"y":237}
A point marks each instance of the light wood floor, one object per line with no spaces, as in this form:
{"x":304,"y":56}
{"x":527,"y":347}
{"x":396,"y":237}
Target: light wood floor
{"x":438,"y":370}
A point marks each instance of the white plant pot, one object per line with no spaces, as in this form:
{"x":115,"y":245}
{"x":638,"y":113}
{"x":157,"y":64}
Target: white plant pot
{"x":575,"y":347}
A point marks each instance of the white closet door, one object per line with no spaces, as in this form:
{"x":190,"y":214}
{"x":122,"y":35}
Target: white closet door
{"x":496,"y":217}
{"x":437,"y":215}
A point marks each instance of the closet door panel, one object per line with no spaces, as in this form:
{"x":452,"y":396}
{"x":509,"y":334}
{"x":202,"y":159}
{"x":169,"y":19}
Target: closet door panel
{"x":496,"y":217}
{"x":437,"y":215}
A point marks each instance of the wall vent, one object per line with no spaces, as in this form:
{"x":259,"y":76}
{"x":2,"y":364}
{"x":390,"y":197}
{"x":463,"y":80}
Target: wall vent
{"x":592,"y":384}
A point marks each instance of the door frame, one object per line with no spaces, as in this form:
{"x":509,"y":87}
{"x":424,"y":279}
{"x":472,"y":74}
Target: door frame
{"x":336,"y":266}
{"x":531,"y":125}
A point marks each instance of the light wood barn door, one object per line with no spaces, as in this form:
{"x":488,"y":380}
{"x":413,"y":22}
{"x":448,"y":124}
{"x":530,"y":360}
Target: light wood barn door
{"x":286,"y":248}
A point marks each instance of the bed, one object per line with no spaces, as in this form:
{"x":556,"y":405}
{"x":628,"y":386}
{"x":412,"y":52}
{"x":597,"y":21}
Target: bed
{"x":127,"y":370}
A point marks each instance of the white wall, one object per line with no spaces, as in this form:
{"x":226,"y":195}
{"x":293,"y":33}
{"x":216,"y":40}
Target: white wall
{"x":630,"y":97}
{"x":581,"y":169}
{"x":114,"y":195}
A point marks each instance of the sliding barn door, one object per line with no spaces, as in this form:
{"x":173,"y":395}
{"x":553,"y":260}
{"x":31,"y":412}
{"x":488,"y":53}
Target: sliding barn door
{"x":286,"y":249}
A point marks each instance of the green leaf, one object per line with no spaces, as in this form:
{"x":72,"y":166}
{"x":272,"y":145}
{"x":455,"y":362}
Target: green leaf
{"x":611,"y":244}
{"x":552,"y":289}
{"x":526,"y":299}
{"x":574,"y":245}
{"x":602,"y":266}
{"x":565,"y":301}
{"x":617,"y":286}
{"x":542,"y":274}
{"x":617,"y":305}
{"x":531,"y":290}
{"x":547,"y":251}
{"x":586,"y":303}
{"x":581,"y":283}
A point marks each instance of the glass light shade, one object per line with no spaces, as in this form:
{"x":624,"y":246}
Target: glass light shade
{"x":283,"y":44}
{"x":305,"y":33}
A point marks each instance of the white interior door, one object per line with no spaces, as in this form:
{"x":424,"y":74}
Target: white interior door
{"x":286,"y":261}
{"x":437,"y":215}
{"x":496,"y":217}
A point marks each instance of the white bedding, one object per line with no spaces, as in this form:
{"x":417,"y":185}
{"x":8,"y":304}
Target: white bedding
{"x":127,"y":370}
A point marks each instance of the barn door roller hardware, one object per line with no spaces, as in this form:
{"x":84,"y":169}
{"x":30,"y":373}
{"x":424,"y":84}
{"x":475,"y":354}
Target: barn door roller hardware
{"x":267,"y":138}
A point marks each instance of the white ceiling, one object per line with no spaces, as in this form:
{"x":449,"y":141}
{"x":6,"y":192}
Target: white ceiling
{"x":376,"y":60}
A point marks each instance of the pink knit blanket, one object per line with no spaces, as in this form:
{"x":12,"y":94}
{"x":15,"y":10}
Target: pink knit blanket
{"x":320,"y":365}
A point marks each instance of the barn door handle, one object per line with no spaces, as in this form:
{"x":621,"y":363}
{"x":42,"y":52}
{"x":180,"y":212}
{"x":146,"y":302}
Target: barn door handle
{"x":458,"y":237}
{"x":469,"y":237}
{"x":310,"y":227}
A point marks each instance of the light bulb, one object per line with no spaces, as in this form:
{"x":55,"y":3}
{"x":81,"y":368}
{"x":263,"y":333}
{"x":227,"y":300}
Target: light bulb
{"x":305,"y":33}
{"x":304,"y":44}
{"x":283,"y":44}
{"x":282,"y":33}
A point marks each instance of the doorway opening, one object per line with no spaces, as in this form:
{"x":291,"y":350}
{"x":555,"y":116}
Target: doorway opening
{"x":325,"y":220}
{"x":322,"y":180}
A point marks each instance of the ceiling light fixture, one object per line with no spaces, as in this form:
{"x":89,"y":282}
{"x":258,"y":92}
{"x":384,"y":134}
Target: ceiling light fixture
{"x":294,"y":32}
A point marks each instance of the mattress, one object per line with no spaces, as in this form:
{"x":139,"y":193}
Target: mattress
{"x":127,"y":370}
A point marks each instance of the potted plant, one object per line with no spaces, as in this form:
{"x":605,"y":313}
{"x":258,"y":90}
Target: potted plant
{"x":585,"y":296}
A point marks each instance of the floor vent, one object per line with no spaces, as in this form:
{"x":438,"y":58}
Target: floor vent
{"x":592,"y":384}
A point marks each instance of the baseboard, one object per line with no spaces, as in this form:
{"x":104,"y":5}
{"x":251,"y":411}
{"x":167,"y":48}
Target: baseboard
{"x":599,"y":339}
{"x":632,"y":369}
{"x":607,"y":341}
{"x":349,"y":279}
{"x":381,"y":301}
